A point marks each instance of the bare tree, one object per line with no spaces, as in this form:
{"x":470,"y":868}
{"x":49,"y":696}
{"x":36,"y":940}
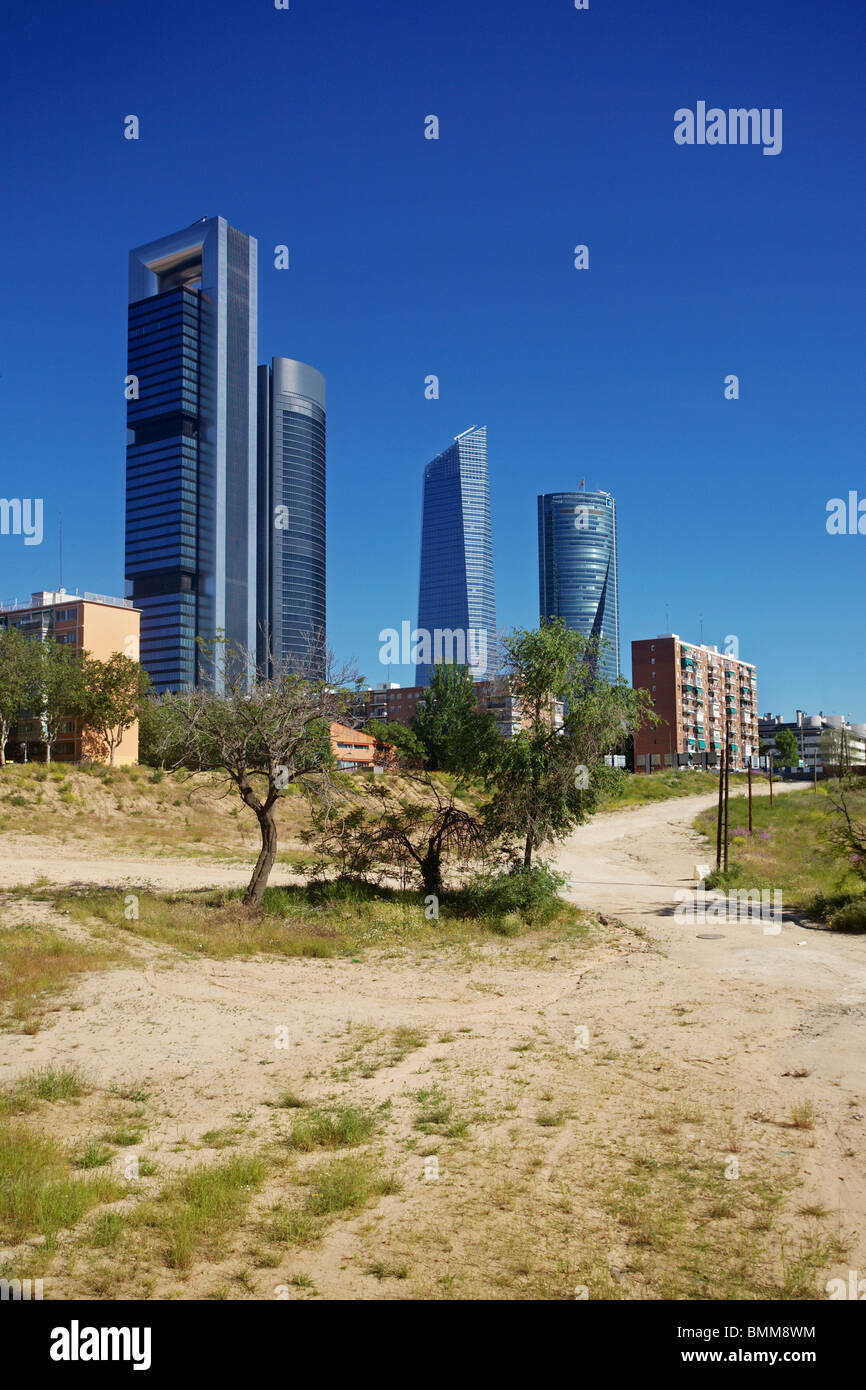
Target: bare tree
{"x":250,"y":726}
{"x":849,"y":834}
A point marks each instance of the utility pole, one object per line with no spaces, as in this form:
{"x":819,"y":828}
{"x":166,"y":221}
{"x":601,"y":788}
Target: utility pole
{"x":719,"y":813}
{"x":750,"y":793}
{"x":727,"y":764}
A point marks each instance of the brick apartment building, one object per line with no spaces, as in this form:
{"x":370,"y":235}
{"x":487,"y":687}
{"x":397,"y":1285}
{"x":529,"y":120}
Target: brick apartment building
{"x":87,"y":622}
{"x":702,"y":695}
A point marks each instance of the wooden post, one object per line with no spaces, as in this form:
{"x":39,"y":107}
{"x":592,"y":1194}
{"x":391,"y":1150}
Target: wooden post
{"x":771,"y":779}
{"x":750,"y":794}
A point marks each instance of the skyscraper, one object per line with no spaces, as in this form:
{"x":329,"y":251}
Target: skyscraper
{"x":577,"y":567}
{"x":456,"y":600}
{"x":291,"y":503}
{"x":191,"y":446}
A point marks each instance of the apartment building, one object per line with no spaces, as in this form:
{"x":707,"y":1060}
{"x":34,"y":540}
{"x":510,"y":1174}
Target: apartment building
{"x":93,"y":623}
{"x":400,"y":704}
{"x":703,"y":697}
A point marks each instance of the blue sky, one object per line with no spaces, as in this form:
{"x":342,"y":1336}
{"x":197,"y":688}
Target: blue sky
{"x":454,"y":257}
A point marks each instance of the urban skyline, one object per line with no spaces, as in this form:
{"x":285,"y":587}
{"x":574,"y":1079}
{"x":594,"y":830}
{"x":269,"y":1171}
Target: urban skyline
{"x":615,"y":372}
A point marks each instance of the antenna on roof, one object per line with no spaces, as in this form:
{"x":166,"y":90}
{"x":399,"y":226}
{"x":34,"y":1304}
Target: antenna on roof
{"x":60,"y":547}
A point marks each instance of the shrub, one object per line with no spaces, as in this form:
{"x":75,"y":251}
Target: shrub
{"x":533,"y":894}
{"x":850,"y":918}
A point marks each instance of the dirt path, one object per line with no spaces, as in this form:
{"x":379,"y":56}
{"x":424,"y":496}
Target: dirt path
{"x":747,"y":1026}
{"x":797,"y":1000}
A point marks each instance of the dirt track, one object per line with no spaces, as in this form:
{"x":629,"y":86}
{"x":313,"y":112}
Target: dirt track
{"x":757,"y":1022}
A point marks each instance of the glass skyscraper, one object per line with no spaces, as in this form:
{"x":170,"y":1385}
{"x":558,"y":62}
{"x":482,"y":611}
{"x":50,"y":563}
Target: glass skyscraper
{"x":456,"y":601}
{"x":191,"y":446}
{"x":577,"y":567}
{"x":291,"y":503}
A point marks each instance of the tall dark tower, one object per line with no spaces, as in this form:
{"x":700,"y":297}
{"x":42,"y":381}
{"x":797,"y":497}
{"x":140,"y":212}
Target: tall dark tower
{"x":291,"y":503}
{"x":191,"y":446}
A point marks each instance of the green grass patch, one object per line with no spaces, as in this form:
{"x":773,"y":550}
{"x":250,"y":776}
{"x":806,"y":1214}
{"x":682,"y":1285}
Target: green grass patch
{"x":39,"y":1192}
{"x":790,"y":849}
{"x":196,"y":1211}
{"x":341,"y":1128}
{"x":48,"y":1083}
{"x":347,"y":1184}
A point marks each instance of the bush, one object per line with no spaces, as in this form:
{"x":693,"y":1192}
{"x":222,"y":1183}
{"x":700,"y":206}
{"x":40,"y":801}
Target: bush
{"x":850,"y":918}
{"x":532,"y":894}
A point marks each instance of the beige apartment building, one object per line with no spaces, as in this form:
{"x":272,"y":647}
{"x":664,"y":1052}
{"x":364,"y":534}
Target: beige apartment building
{"x":702,"y":697}
{"x":93,"y":623}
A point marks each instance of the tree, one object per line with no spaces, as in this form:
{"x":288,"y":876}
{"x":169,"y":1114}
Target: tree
{"x":61,"y":689}
{"x":787,"y":747}
{"x":19,"y":667}
{"x":399,"y":736}
{"x":832,"y":748}
{"x":248,"y":726}
{"x":422,"y":826}
{"x":547,"y":778}
{"x":849,"y":834}
{"x":448,"y":724}
{"x":112,"y":693}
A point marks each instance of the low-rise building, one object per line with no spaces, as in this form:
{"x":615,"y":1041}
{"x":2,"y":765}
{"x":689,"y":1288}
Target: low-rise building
{"x":828,"y":740}
{"x":93,"y":623}
{"x":353,"y":749}
{"x":400,"y":704}
{"x":703,"y":697}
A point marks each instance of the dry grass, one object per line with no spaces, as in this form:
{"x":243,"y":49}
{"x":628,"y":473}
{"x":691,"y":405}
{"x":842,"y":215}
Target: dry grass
{"x":38,"y":964}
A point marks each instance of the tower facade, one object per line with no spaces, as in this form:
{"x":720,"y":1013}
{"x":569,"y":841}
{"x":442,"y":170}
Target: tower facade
{"x":291,"y":502}
{"x":456,"y":598}
{"x":191,"y":447}
{"x":577,"y":568}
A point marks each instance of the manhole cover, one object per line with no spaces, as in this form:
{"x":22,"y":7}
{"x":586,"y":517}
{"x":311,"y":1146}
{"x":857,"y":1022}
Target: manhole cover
{"x":710,"y":936}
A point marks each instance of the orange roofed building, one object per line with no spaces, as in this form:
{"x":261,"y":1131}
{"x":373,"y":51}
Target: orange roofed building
{"x":352,"y":748}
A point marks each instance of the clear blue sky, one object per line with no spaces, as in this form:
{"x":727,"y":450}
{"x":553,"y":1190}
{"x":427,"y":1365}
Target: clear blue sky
{"x":411,"y":257}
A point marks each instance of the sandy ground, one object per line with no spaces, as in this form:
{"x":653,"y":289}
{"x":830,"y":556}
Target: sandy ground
{"x":756,"y":1023}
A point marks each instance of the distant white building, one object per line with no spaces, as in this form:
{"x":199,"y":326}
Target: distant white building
{"x":810,"y":730}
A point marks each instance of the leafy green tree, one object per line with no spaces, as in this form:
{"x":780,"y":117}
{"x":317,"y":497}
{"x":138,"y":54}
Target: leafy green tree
{"x":548,"y":778}
{"x":453,"y":733}
{"x":399,"y":736}
{"x":112,"y":693}
{"x":787,"y":747}
{"x":263,"y":733}
{"x":61,"y":687}
{"x":19,"y":671}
